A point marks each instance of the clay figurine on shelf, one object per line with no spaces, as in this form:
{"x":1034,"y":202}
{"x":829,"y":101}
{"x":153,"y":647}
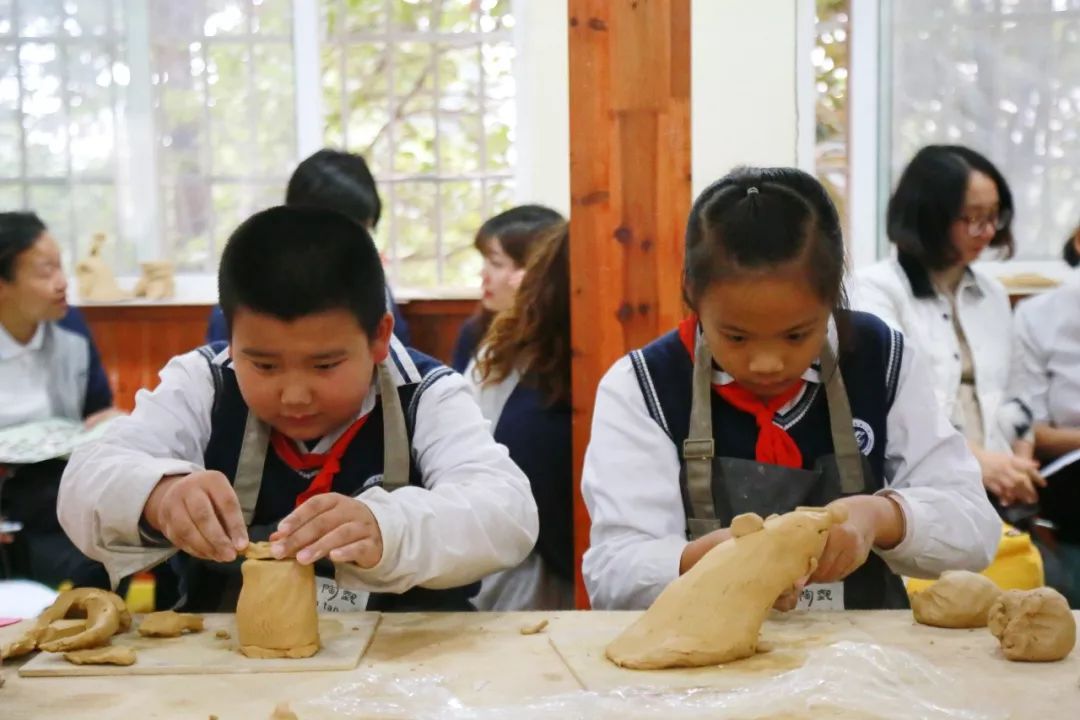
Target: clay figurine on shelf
{"x":96,"y":280}
{"x":156,"y":282}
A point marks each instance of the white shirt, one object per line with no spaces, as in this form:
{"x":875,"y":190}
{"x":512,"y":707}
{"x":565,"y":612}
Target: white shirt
{"x":24,"y":380}
{"x":884,"y":290}
{"x":631,"y":487}
{"x":1045,"y":371}
{"x":474,"y":515}
{"x":531,"y":585}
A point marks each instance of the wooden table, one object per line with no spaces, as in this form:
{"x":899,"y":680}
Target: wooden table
{"x":483,"y":661}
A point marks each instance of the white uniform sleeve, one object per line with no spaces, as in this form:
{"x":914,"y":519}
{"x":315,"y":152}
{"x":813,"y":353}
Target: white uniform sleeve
{"x":929,"y":469}
{"x":630,"y":485}
{"x":1028,"y":378}
{"x":475,"y":514}
{"x":870,"y":293}
{"x":107,"y":482}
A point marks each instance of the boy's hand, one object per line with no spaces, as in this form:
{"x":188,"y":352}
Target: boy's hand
{"x":872,"y":520}
{"x":199,"y":514}
{"x":330,"y":525}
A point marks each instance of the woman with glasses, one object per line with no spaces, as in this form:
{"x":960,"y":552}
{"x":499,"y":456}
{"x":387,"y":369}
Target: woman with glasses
{"x":950,"y":205}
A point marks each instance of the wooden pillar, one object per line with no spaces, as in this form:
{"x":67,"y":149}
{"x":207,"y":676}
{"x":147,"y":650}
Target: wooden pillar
{"x":630,"y":190}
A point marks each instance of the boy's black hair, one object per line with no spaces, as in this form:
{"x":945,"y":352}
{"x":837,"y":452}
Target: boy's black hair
{"x":759,"y":218}
{"x":339,"y":181}
{"x":18,"y":233}
{"x":928,"y":199}
{"x":294,"y":261}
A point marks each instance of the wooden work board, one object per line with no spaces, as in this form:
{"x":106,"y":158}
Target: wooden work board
{"x":344,"y":639}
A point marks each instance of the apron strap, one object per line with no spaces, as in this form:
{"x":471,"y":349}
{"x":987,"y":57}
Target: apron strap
{"x":396,"y":454}
{"x":249,"y":466}
{"x":849,"y":460}
{"x":699,"y":448}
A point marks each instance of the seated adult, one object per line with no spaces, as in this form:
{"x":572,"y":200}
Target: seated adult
{"x":1044,"y":410}
{"x":49,"y":368}
{"x":949,"y":206}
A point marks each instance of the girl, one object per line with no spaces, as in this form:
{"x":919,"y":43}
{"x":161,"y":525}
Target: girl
{"x":743,"y":408}
{"x":521,"y":379}
{"x":950,"y":205}
{"x":506,"y":241}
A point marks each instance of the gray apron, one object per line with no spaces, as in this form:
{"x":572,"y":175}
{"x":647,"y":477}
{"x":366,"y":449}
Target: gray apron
{"x":248,"y":483}
{"x":716,"y":489}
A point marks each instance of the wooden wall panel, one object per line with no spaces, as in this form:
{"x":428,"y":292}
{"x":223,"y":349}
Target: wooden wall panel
{"x":630,"y":190}
{"x":136,"y":341}
{"x":434,"y":324}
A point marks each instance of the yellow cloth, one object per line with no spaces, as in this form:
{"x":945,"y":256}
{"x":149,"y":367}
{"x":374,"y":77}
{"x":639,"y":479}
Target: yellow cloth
{"x":1017,"y":565}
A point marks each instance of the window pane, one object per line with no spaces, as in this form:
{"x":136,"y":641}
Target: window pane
{"x":225,"y":17}
{"x":95,"y":212}
{"x":90,"y":122}
{"x":275,"y":126}
{"x":361,"y":16}
{"x":230,"y":120}
{"x":414,"y":227}
{"x":459,"y":71}
{"x":91,"y":17}
{"x":6,"y":17}
{"x":497,"y":15}
{"x":499,"y":124}
{"x":830,"y":61}
{"x":413,"y":68}
{"x":272,"y":17}
{"x":463,"y":203}
{"x":414,"y":15}
{"x":50,"y":202}
{"x":461,"y":140}
{"x":458,"y":16}
{"x":1004,"y":80}
{"x":10,"y":197}
{"x":499,"y":70}
{"x":414,"y":144}
{"x":40,"y":18}
{"x":43,"y":114}
{"x":10,"y":140}
{"x":185,"y":204}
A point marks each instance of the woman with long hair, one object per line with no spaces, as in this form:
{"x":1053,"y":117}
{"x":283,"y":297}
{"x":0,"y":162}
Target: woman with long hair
{"x":521,"y":377}
{"x":506,"y":241}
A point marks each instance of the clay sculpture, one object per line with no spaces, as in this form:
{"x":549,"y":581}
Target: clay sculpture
{"x":714,"y":612}
{"x":960,"y":599}
{"x":276,"y":614}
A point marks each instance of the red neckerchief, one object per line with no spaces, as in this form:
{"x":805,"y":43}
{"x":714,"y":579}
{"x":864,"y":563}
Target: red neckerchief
{"x":774,"y":445}
{"x":329,"y":463}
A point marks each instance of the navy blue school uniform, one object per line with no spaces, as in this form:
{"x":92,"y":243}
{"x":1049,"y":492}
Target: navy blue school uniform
{"x":214,"y":587}
{"x":638,"y":473}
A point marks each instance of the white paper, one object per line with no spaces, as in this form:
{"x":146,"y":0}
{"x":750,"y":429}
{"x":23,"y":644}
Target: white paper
{"x":44,"y":440}
{"x":1061,"y":463}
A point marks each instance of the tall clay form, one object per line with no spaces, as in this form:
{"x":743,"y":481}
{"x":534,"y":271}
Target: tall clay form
{"x":276,"y":615}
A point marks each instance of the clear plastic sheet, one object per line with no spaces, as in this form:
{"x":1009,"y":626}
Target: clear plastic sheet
{"x":845,"y":679}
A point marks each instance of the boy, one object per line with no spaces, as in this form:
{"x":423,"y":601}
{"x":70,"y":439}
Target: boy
{"x":295,"y":433}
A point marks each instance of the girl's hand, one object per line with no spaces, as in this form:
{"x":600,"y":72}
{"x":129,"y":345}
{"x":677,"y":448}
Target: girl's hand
{"x":1011,"y":478}
{"x":873,"y":520}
